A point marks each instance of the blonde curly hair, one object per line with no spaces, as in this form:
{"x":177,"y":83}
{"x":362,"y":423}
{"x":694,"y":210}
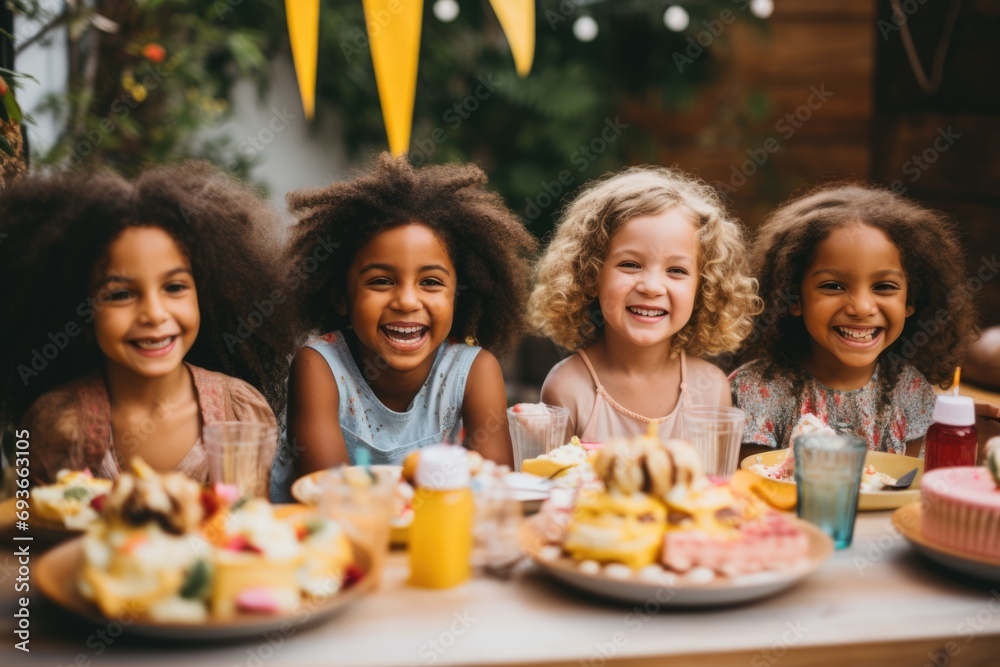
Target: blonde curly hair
{"x":563,"y":304}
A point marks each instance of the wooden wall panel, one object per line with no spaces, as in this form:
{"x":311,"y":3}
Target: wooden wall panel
{"x":810,"y":45}
{"x":964,"y":180}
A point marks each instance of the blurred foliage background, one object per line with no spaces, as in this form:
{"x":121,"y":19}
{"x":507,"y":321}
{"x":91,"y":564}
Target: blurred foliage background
{"x":147,"y":76}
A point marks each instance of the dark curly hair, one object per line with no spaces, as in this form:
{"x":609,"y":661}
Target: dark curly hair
{"x":943,"y":324}
{"x":487,"y":243}
{"x":57,"y":227}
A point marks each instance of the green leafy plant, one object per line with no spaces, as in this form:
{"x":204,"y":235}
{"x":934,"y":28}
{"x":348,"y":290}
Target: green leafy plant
{"x":146,"y":76}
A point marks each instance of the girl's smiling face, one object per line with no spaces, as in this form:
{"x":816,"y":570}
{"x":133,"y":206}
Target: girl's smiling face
{"x":400,"y":297}
{"x":853,"y":304}
{"x":147,"y":315}
{"x":649,"y":281}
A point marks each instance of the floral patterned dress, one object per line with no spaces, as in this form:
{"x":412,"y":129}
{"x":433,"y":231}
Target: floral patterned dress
{"x":772,"y":409}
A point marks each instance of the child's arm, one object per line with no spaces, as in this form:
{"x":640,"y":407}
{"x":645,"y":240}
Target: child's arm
{"x":314,"y":431}
{"x":484,"y":410}
{"x":987,"y":426}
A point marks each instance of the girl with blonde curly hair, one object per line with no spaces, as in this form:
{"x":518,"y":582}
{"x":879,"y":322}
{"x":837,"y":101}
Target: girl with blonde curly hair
{"x":645,"y":275}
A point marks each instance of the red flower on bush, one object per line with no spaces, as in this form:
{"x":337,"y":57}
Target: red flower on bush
{"x":154,"y":52}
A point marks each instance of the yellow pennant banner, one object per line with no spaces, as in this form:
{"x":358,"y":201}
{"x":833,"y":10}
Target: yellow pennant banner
{"x":303,"y":33}
{"x":517,"y":18}
{"x":394,"y":36}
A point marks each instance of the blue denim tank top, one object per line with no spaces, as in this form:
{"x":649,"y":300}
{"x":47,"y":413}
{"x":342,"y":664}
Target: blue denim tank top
{"x":366,"y":423}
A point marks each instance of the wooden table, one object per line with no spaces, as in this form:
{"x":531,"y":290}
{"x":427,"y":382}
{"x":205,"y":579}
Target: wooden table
{"x":876,"y":603}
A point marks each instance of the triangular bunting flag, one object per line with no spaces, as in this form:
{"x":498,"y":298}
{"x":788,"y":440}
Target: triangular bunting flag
{"x":394,"y":35}
{"x":517,"y":18}
{"x":303,"y":33}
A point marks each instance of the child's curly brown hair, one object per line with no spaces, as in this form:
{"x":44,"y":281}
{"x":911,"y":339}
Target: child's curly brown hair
{"x":57,"y":227}
{"x":489,"y":246}
{"x":563,"y":305}
{"x":943,"y":323}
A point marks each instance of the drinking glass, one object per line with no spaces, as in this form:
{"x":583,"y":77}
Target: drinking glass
{"x":717,"y":434}
{"x":498,"y":517}
{"x":536,"y":432}
{"x":828,"y":480}
{"x":362,"y":500}
{"x":240,"y":453}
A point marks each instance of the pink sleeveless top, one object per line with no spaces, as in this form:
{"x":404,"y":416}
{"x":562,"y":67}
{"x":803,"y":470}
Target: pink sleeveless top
{"x":580,"y":388}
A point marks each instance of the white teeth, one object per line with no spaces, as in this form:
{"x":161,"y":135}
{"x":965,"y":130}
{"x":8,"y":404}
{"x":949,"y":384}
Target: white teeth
{"x":154,"y":344}
{"x":857,"y":334}
{"x":647,"y":313}
{"x":405,"y":330}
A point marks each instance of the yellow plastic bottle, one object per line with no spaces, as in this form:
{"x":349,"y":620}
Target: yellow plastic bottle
{"x":440,"y":544}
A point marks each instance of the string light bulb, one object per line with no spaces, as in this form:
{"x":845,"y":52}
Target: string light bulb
{"x":676,"y":18}
{"x":762,"y":9}
{"x":585,"y":28}
{"x":446,"y":11}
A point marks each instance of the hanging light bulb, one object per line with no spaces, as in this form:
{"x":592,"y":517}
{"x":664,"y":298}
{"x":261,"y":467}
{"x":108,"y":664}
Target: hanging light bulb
{"x":585,"y":28}
{"x":762,"y":8}
{"x":676,"y":18}
{"x":446,"y":11}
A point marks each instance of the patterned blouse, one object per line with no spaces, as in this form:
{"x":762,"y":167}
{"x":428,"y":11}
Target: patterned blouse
{"x":772,"y":410}
{"x":71,"y":425}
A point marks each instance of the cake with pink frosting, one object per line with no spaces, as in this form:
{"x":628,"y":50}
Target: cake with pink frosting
{"x":961,"y":509}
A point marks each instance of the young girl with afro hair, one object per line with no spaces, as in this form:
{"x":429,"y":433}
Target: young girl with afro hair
{"x":133,"y":316}
{"x":414,"y":279}
{"x":866,"y":309}
{"x":646,"y":273}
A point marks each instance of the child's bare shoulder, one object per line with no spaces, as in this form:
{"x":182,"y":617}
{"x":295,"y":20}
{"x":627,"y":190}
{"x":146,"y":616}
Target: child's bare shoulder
{"x":706,"y":369}
{"x":707,"y":382}
{"x":565,"y":382}
{"x":572,"y":368}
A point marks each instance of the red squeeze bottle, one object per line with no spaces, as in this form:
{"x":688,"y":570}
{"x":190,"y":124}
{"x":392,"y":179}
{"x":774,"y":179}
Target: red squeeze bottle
{"x":952,"y":440}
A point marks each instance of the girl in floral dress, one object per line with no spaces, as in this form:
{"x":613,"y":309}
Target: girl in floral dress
{"x":867,"y":308}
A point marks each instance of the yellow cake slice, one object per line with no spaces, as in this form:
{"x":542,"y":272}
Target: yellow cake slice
{"x":618,"y":528}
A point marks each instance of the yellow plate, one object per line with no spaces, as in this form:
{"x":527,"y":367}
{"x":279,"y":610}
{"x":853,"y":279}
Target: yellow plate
{"x":306,"y":490}
{"x":893,"y":465}
{"x":56,"y":576}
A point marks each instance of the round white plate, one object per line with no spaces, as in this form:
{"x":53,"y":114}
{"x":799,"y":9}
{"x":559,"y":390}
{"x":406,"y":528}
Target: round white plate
{"x":721,"y":591}
{"x":526,"y":487}
{"x":306,"y":489}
